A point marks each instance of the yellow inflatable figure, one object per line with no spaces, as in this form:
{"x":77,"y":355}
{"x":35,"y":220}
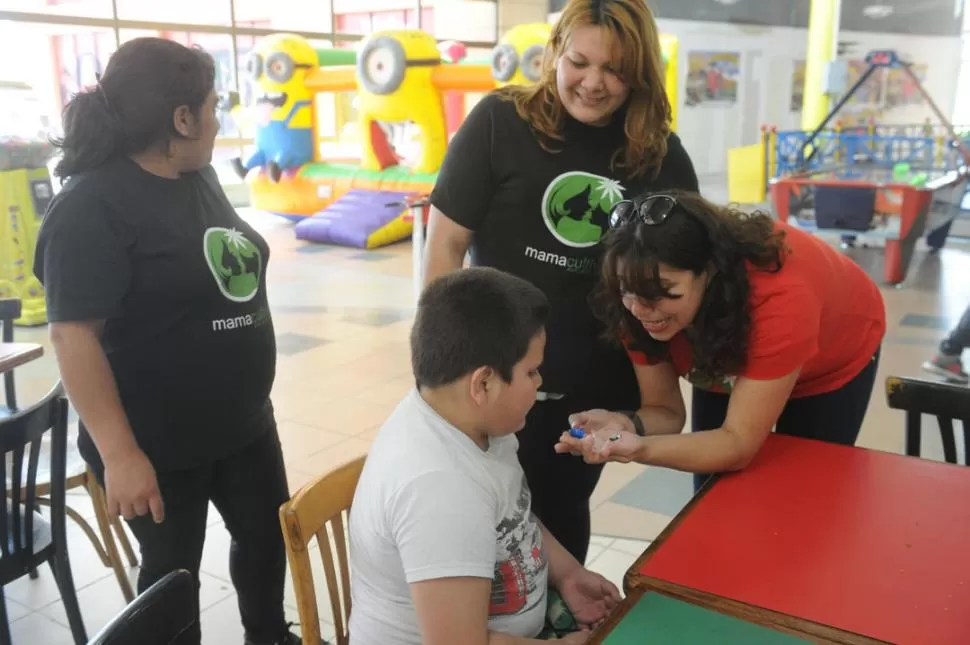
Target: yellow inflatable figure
{"x":24,"y":197}
{"x":517,"y":58}
{"x":395,"y":77}
{"x":284,"y":106}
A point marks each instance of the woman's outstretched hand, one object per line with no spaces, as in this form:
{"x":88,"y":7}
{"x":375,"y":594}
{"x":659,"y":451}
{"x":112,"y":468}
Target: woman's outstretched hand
{"x":595,"y":420}
{"x":609,"y":436}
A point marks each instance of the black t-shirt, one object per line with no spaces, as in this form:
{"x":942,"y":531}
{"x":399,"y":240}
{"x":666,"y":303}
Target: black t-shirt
{"x":540,"y":215}
{"x":180,"y":280}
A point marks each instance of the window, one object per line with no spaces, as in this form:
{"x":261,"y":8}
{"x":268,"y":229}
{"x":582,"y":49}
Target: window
{"x":363,"y":17}
{"x":80,"y":8}
{"x":283,"y":15}
{"x":198,"y":12}
{"x":53,"y":62}
{"x":470,"y":21}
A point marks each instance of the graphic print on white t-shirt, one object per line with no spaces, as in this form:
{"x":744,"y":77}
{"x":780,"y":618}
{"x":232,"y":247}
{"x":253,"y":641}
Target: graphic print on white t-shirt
{"x":519,"y":560}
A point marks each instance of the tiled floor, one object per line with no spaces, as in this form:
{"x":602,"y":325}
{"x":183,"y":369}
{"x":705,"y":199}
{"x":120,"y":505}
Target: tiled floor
{"x":342,"y":317}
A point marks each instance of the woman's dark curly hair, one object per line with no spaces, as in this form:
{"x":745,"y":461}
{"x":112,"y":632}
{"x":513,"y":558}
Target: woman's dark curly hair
{"x":697,"y":236}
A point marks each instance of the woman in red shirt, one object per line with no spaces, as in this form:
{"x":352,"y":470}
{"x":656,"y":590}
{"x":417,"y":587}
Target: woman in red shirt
{"x":772,"y":326}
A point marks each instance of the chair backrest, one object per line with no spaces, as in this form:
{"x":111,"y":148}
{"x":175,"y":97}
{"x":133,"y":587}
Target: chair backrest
{"x":163,"y":615}
{"x":21,"y":437}
{"x":321,"y":503}
{"x":10,"y":309}
{"x":945,"y":401}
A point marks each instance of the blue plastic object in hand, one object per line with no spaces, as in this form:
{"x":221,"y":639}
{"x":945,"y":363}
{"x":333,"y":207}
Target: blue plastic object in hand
{"x":577,"y":433}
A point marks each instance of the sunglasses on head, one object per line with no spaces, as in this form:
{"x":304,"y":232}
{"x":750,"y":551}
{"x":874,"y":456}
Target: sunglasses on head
{"x":652,"y":210}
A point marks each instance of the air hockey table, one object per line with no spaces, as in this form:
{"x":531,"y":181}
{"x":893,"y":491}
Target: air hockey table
{"x":902,"y":209}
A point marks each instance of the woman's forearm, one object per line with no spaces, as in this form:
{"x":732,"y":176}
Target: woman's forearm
{"x":660,"y":420}
{"x":91,"y":387}
{"x":711,"y":451}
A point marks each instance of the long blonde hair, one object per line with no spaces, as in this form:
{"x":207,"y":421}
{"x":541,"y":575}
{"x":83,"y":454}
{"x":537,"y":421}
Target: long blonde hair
{"x":635,"y":40}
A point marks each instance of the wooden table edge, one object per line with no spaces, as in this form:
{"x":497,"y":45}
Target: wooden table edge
{"x":632,"y":576}
{"x":816,"y":633}
{"x":32,"y":351}
{"x":794,"y":625}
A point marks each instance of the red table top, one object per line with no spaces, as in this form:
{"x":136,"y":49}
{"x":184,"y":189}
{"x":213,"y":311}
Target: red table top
{"x":868,"y":542}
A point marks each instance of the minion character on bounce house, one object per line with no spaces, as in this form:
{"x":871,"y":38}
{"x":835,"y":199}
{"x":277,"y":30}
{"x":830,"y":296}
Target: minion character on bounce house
{"x":284,"y":107}
{"x":517,"y":58}
{"x":395,"y":72}
{"x":399,"y":77}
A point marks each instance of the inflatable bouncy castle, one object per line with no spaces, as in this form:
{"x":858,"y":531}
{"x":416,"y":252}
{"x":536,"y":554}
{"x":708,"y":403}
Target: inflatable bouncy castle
{"x":399,"y":77}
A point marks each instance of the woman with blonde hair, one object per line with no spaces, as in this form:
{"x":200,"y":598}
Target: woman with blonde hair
{"x":527,"y":186}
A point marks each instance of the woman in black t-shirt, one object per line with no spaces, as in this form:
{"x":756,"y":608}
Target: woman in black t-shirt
{"x":527,"y":185}
{"x":156,"y":294}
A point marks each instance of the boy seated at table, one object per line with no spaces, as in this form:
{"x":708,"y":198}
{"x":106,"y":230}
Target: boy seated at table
{"x":444,"y":547}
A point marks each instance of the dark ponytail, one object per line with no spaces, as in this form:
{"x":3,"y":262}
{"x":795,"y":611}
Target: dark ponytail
{"x":131,"y":109}
{"x":91,"y":135}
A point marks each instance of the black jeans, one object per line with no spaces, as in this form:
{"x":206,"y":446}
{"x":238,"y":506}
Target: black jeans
{"x":835,"y":416}
{"x":247,"y":488}
{"x":561,"y":485}
{"x":959,"y":337}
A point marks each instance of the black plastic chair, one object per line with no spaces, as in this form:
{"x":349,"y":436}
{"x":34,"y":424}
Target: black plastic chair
{"x":945,"y":401}
{"x":10,"y":309}
{"x":27,"y":540}
{"x":163,"y":615}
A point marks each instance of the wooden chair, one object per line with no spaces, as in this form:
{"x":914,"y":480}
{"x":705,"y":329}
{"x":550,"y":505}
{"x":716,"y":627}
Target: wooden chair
{"x":321,"y":503}
{"x":945,"y":401}
{"x":78,"y":475}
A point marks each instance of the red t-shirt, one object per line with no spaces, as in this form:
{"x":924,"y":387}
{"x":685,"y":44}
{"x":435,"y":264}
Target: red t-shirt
{"x":820,"y":312}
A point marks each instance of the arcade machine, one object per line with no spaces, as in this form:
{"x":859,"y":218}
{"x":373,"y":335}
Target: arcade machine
{"x":875,"y":193}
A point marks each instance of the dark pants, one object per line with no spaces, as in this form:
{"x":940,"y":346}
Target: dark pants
{"x":935,"y":239}
{"x":835,"y":416}
{"x":959,"y":337}
{"x":247,"y":488}
{"x":561,"y":485}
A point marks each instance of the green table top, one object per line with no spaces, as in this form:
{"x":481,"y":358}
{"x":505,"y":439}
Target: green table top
{"x":660,"y":620}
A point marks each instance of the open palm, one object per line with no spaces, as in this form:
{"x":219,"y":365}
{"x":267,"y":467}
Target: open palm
{"x":589,"y":596}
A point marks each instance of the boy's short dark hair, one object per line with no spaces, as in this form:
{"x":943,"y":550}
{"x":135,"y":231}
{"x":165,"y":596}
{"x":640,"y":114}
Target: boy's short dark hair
{"x":474,"y":318}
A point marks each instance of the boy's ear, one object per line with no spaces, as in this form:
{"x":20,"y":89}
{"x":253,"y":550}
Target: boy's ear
{"x":482,"y":379}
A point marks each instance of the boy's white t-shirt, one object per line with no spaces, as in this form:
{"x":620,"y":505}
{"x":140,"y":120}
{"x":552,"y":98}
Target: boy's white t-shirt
{"x":431,"y":504}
